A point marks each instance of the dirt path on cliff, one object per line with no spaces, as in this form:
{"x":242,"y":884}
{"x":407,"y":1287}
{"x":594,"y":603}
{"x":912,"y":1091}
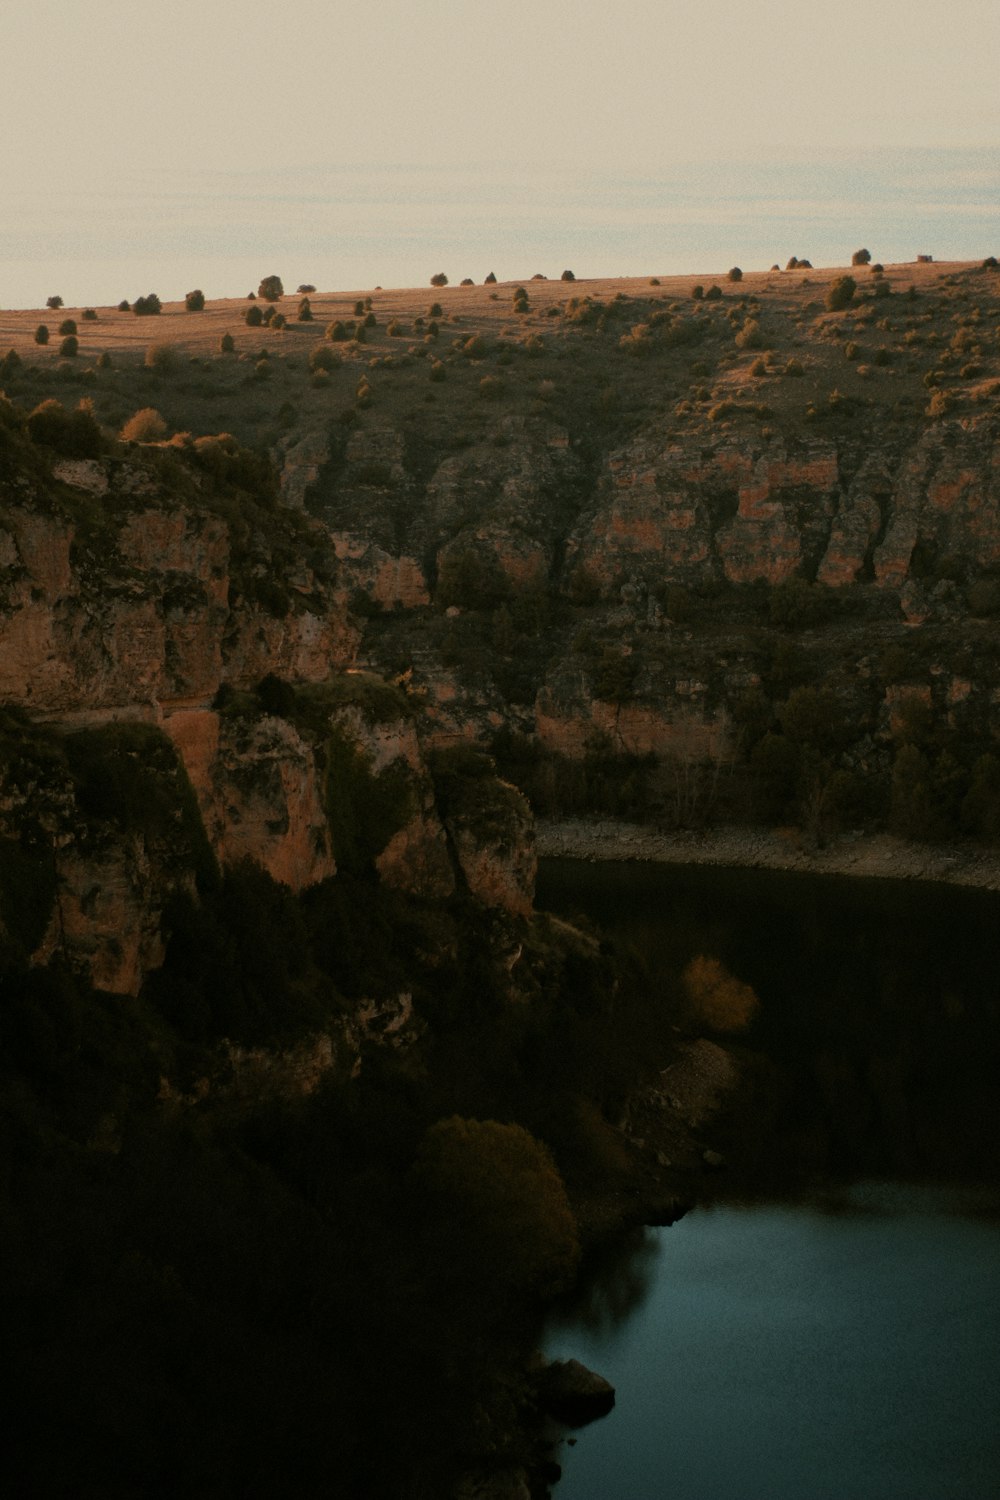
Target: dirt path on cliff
{"x":873,"y":856}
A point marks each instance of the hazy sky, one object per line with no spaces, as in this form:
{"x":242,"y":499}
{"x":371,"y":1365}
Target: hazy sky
{"x":140,"y":132}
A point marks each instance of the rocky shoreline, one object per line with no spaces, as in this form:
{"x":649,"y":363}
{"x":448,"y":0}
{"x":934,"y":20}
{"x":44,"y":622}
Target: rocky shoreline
{"x":872,"y":856}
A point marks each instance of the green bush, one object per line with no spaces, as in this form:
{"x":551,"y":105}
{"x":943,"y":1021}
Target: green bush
{"x":861,"y":258}
{"x":322,"y":357}
{"x":123,"y":306}
{"x":149,"y":306}
{"x":713,"y":294}
{"x":504,"y":1215}
{"x":567,"y":276}
{"x":697,"y":292}
{"x":305,"y":313}
{"x":195,"y":301}
{"x":104,"y":360}
{"x":336,"y":331}
{"x":439,"y":279}
{"x":253,"y":317}
{"x":69,"y":348}
{"x":227,"y":344}
{"x":271,"y":289}
{"x":734,"y":274}
{"x":841,"y":293}
{"x":54,"y":303}
{"x":89,"y":315}
{"x":67,"y":326}
{"x":161,"y":358}
{"x":72,"y":434}
{"x":41,"y":334}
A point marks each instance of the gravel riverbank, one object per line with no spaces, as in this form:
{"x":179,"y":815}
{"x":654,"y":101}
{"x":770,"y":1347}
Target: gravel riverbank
{"x":878,"y":856}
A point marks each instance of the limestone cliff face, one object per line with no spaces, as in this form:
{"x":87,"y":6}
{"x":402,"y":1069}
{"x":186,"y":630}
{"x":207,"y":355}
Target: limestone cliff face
{"x":126,"y":606}
{"x":758,"y":508}
{"x":131,"y":601}
{"x":258,"y":793}
{"x":397,"y":519}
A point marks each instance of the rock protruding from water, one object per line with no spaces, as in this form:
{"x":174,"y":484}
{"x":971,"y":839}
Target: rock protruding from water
{"x":574,"y":1395}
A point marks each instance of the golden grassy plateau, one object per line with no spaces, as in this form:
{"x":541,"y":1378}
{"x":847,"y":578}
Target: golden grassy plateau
{"x":768,"y":348}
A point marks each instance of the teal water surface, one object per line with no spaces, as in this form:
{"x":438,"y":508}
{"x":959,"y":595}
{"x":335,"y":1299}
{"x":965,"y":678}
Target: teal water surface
{"x":849,"y":1351}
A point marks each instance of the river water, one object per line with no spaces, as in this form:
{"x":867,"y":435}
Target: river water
{"x":837,"y":1335}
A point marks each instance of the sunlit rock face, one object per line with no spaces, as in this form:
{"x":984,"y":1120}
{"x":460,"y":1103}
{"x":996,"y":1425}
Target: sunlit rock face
{"x":140,"y":605}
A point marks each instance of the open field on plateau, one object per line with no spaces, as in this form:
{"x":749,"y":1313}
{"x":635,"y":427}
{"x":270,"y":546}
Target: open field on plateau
{"x":453,"y":358}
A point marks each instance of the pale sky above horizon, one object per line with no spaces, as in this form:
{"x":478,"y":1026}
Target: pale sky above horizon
{"x":136,"y":105}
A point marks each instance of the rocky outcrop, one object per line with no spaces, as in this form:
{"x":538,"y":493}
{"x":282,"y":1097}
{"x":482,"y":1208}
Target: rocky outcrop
{"x":258,"y":793}
{"x":762,"y":509}
{"x":144,"y":602}
{"x":572,"y":1394}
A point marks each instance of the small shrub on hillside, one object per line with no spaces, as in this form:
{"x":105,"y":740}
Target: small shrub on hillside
{"x":881,"y":289}
{"x":439,"y":279}
{"x":861,"y":258}
{"x":253,"y":317}
{"x":713,"y":294}
{"x":144,"y":426}
{"x":336,"y":331}
{"x":305,"y":289}
{"x":734,"y":274}
{"x":697,"y":292}
{"x":491,"y":387}
{"x":567,"y":276}
{"x":89,"y":315}
{"x":279,"y":321}
{"x":73,"y":434}
{"x":10,"y":363}
{"x":941,"y":403}
{"x":360,"y":334}
{"x":41,"y":334}
{"x":852,"y":350}
{"x":841,"y":293}
{"x":104,"y":360}
{"x":758,"y":369}
{"x":716,"y":997}
{"x":750,"y":336}
{"x":438,"y":371}
{"x":370,"y":320}
{"x":54,"y":303}
{"x":68,"y":325}
{"x":194,"y":301}
{"x":162,"y":358}
{"x":69,"y":348}
{"x":147,"y":307}
{"x":271,"y":289}
{"x":491,"y":279}
{"x":124,"y":306}
{"x":434,"y":311}
{"x":227,"y":344}
{"x":305,"y":313}
{"x":322,"y":357}
{"x":467,"y":281}
{"x":794,"y":369}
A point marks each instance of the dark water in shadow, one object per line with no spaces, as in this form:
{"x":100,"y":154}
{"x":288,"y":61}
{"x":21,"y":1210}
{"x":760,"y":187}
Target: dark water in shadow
{"x":837,"y":1336}
{"x":879,"y":1006}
